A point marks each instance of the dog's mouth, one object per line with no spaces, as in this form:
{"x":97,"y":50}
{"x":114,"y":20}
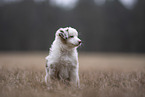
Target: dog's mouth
{"x":77,"y":45}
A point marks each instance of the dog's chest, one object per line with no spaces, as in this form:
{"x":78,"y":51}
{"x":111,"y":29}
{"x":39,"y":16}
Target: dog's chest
{"x":68,"y":60}
{"x":66,"y":65}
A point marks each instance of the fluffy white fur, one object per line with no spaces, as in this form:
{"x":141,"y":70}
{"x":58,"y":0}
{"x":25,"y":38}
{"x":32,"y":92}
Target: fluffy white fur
{"x":62,"y":61}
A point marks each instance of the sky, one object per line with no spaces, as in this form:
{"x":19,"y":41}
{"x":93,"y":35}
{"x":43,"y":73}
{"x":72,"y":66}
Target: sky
{"x":129,"y":4}
{"x":70,"y":4}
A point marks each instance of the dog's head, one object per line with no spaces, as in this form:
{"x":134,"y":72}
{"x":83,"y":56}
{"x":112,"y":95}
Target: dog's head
{"x":68,"y":36}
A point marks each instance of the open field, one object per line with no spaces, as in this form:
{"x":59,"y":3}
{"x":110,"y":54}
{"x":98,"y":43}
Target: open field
{"x":101,"y":75}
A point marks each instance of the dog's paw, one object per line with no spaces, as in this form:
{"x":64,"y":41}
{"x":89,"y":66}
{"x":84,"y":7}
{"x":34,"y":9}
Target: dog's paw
{"x":49,"y":88}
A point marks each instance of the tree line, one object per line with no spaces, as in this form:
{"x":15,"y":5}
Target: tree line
{"x":28,"y":25}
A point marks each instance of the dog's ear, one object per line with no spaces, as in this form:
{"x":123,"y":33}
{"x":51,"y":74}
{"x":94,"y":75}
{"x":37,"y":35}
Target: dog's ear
{"x":67,"y":30}
{"x":63,"y":35}
{"x":61,"y":31}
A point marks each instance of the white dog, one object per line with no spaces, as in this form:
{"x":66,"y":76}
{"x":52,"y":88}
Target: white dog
{"x":62,"y":61}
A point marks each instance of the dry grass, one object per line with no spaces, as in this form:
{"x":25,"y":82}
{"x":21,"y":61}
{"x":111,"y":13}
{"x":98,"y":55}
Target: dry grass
{"x":101,"y":75}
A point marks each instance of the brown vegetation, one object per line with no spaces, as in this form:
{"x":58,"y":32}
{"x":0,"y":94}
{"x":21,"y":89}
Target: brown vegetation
{"x":101,"y":75}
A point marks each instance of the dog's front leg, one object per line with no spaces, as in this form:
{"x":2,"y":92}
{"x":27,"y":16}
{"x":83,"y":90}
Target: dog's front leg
{"x":48,"y":78}
{"x":78,"y":80}
{"x":74,"y":77}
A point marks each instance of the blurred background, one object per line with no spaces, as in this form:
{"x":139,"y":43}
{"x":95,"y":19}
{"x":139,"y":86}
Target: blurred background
{"x":103,"y":25}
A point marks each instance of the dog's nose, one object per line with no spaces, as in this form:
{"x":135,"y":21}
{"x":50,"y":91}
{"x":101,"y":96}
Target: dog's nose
{"x":80,"y":41}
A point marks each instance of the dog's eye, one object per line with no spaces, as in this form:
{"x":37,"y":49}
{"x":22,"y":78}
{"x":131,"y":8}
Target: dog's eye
{"x":71,"y":36}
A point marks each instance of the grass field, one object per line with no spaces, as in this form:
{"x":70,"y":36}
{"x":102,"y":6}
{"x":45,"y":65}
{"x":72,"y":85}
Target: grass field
{"x":101,"y":75}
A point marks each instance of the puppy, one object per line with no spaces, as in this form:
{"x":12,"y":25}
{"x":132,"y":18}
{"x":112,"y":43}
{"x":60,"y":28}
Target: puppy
{"x":62,"y":61}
